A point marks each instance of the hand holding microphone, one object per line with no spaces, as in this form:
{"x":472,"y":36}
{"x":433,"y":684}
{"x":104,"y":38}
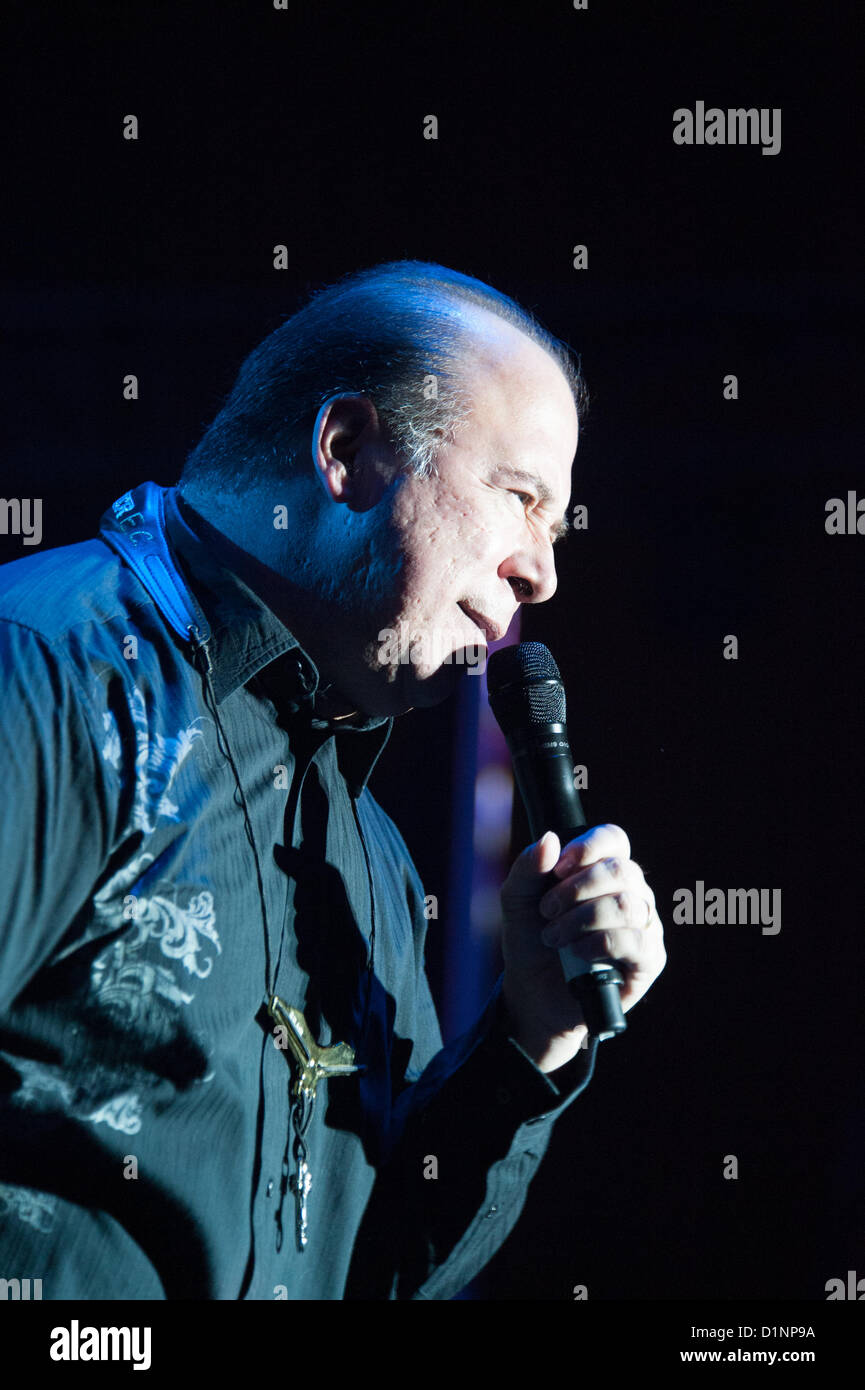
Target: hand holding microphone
{"x":592,"y":891}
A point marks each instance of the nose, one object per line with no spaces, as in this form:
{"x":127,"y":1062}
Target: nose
{"x":531,"y":573}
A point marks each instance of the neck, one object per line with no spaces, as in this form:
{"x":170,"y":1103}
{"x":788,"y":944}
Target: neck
{"x":310,"y":604}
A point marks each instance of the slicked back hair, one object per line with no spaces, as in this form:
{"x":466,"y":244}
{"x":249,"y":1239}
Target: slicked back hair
{"x":399,"y":333}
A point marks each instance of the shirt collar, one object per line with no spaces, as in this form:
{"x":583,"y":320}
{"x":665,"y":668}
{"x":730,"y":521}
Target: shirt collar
{"x":247,"y":637}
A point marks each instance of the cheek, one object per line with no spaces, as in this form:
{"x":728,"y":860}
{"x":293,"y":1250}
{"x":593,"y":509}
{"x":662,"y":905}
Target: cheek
{"x":450,"y":548}
{"x":448,"y":564}
{"x":469,"y":532}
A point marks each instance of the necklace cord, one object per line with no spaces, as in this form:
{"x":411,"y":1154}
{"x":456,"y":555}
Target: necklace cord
{"x":225,"y":748}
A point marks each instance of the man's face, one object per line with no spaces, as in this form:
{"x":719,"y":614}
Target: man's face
{"x":476,"y":540}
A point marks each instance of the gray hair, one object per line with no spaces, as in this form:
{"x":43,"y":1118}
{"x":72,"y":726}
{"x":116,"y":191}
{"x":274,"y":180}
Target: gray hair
{"x":398,"y":333}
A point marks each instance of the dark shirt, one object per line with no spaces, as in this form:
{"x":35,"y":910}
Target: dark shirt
{"x":145,"y":1131}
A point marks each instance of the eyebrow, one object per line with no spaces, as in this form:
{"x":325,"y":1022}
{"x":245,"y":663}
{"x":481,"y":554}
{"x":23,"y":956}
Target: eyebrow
{"x":559,"y":528}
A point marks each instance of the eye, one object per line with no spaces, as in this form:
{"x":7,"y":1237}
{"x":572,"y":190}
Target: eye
{"x":525,"y":497}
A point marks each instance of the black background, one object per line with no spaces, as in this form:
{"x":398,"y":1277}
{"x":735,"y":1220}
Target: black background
{"x":706,"y":517}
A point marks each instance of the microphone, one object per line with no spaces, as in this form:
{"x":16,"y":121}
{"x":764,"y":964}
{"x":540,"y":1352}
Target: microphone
{"x":527,"y":697}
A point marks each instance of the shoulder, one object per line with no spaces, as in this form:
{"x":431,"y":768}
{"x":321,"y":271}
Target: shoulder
{"x":90,"y":615}
{"x":62,"y":590}
{"x":79,"y":631}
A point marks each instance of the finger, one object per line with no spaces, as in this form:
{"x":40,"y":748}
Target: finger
{"x":614,"y":912}
{"x":600,"y":842}
{"x":605,"y":876}
{"x":529,"y":870}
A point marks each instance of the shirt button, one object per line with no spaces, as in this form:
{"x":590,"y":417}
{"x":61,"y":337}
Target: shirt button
{"x":269,"y":1188}
{"x":492,"y":1211}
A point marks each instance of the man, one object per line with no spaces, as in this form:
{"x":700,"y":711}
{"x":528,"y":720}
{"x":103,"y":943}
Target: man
{"x":222,"y":1070}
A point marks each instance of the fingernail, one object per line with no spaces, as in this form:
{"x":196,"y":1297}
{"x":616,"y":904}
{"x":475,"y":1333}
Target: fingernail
{"x":550,"y":935}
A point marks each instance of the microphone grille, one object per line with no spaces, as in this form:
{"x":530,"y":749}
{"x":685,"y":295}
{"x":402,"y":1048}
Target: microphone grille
{"x":525,"y":686}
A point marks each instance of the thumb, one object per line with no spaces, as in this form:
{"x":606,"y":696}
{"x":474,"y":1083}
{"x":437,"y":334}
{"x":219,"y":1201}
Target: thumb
{"x":525,"y":882}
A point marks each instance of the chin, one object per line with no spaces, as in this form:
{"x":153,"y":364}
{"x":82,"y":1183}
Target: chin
{"x":422,"y":692}
{"x":403,"y":685}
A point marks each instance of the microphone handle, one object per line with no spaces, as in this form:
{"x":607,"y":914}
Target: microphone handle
{"x":552,"y":802}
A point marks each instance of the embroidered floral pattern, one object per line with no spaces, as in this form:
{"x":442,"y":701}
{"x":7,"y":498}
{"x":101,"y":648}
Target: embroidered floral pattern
{"x":43,"y":1088}
{"x":141,"y":993}
{"x":121,"y":1112}
{"x":34,"y":1208}
{"x":157,"y":760}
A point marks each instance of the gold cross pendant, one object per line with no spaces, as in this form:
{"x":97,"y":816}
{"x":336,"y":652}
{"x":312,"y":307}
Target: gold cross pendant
{"x":313,"y":1062}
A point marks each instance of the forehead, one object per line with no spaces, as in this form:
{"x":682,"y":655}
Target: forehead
{"x":522,"y":411}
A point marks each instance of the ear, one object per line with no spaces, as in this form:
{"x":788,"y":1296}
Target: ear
{"x":352,"y":458}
